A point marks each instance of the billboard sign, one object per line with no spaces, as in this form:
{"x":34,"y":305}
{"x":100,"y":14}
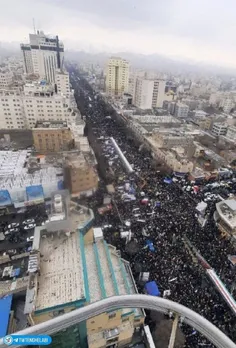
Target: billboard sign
{"x":5,"y":198}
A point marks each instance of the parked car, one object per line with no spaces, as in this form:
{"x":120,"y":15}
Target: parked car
{"x":29,"y":226}
{"x":11,"y":231}
{"x":29,"y":221}
{"x":13,"y":225}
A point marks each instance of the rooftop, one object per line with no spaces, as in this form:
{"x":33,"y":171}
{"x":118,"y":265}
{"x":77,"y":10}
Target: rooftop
{"x":72,"y":269}
{"x":14,"y":171}
{"x":51,"y":124}
{"x":76,"y":161}
{"x":227,"y":211}
{"x":61,"y":276}
{"x":108,"y":274}
{"x":155,"y":119}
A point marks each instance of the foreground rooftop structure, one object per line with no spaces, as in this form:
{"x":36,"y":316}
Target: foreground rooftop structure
{"x":69,"y":269}
{"x":214,"y":335}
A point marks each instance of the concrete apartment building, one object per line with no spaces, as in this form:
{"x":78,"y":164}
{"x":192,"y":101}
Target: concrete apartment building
{"x":117,"y":77}
{"x":226,"y":217}
{"x":158,"y":93}
{"x":132,"y":85}
{"x":219,"y":128}
{"x":227,"y":104}
{"x":43,"y":55}
{"x":80,"y":174}
{"x":149,"y":93}
{"x":52,"y":136}
{"x":144,"y":93}
{"x":76,"y":269}
{"x":36,"y":102}
{"x":176,"y":158}
{"x":6,"y":77}
{"x":62,"y":83}
{"x":142,"y":126}
{"x":169,"y":138}
{"x":181,"y":110}
{"x":231,"y":133}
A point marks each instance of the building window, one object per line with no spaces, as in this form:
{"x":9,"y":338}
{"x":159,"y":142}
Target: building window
{"x":112,"y":340}
{"x":111,"y":315}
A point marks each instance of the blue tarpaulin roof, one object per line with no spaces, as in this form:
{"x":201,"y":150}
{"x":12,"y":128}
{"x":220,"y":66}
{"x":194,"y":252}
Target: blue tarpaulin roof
{"x":5,"y":308}
{"x":167,"y":181}
{"x":149,"y":243}
{"x":152,"y":289}
{"x":16,"y":272}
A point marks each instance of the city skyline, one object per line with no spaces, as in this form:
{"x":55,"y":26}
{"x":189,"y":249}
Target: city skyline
{"x":184,"y":30}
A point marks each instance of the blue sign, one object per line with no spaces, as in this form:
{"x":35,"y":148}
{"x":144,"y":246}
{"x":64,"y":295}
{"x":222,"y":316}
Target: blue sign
{"x":5,"y":198}
{"x":29,"y":340}
{"x":34,"y":192}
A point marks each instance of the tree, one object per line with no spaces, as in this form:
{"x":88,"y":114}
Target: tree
{"x":162,"y":332}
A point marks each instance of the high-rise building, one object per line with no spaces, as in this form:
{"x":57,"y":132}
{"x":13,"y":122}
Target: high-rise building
{"x":62,"y":82}
{"x":144,"y":93}
{"x":158,"y":93}
{"x":117,"y":76}
{"x":43,"y":55}
{"x":132,"y":85}
{"x":181,"y":110}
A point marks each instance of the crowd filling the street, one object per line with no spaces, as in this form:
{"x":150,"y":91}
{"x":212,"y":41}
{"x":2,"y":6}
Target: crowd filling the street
{"x":152,"y":221}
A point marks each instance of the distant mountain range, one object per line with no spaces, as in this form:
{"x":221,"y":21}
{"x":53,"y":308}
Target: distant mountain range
{"x":150,"y":62}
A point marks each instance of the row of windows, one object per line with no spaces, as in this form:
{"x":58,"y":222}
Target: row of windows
{"x":17,"y":100}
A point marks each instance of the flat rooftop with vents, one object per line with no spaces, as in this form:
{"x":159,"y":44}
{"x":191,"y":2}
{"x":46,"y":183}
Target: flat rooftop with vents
{"x":227,"y":213}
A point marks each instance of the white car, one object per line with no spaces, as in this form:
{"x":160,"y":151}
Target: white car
{"x":29,"y":226}
{"x":30,"y":239}
{"x":11,"y":230}
{"x":29,"y":221}
{"x":45,"y":222}
{"x":13,"y":225}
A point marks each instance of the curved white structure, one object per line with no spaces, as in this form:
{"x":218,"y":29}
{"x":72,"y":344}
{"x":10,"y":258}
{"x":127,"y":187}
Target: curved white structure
{"x":122,"y":157}
{"x":218,"y":338}
{"x":222,"y":289}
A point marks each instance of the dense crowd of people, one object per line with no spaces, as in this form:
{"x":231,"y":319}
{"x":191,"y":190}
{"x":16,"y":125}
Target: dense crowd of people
{"x":162,"y":212}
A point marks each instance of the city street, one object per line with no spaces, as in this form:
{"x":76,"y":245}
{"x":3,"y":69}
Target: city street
{"x":166,"y":223}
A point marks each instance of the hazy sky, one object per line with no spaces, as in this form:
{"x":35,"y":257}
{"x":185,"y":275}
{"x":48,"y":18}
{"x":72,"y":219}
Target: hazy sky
{"x":202,"y":30}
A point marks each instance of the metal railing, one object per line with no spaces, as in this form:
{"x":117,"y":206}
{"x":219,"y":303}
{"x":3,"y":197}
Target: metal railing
{"x":207,"y":329}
